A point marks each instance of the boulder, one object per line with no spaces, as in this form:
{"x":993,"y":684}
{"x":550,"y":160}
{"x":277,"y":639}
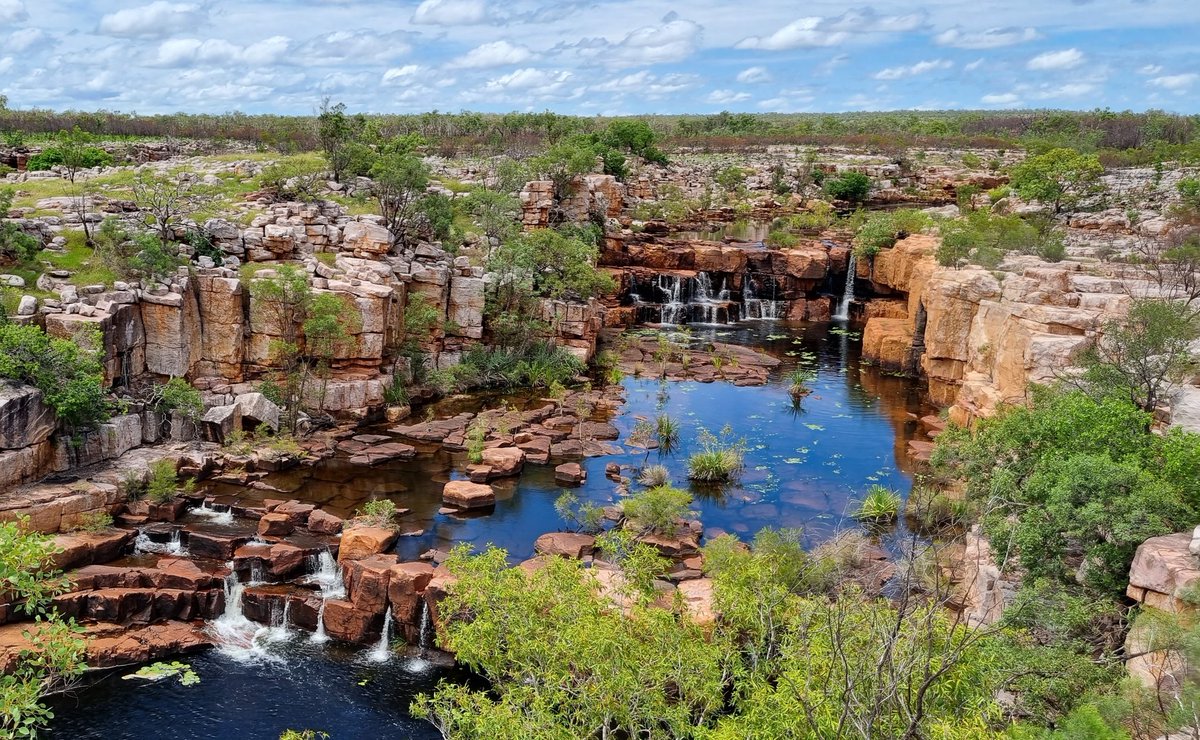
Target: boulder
{"x":406,"y":584}
{"x":344,"y":622}
{"x":698,"y":600}
{"x":565,"y":544}
{"x":570,"y":474}
{"x":275,"y":525}
{"x":24,"y":419}
{"x":257,"y":410}
{"x":363,"y":542}
{"x":322,"y":522}
{"x":468,"y":495}
{"x":367,"y":582}
{"x":221,"y":421}
{"x":366,"y":238}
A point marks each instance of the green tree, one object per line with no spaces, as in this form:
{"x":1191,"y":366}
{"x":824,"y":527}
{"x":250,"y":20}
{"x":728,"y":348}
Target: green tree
{"x":165,"y":200}
{"x":341,"y":139}
{"x":15,"y":245}
{"x":69,"y":375}
{"x":544,"y":263}
{"x":1143,"y":353}
{"x":399,"y":183}
{"x":563,"y":162}
{"x":853,"y":187}
{"x":55,"y":653}
{"x":496,"y":213}
{"x":1060,"y":178}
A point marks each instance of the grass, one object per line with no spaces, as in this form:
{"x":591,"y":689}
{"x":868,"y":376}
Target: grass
{"x":719,"y":460}
{"x":881,"y":504}
{"x":658,"y":509}
{"x":380,"y":512}
{"x":654,"y":476}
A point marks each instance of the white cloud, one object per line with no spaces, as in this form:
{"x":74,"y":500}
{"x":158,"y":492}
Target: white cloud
{"x":1178,"y":82}
{"x":156,"y":20}
{"x":358,"y":46}
{"x":971,"y":67}
{"x":25,"y":39}
{"x":992,"y":38}
{"x":492,"y":54}
{"x":805,"y":33}
{"x":725,"y":97}
{"x":6,"y":64}
{"x":450,"y":12}
{"x":920,"y":68}
{"x":526,"y":78}
{"x":754,"y":75}
{"x":12,"y":11}
{"x":1054,"y":60}
{"x":1069,"y":90}
{"x":789,"y":100}
{"x":187,"y":52}
{"x":1150,"y":69}
{"x":672,"y":41}
{"x":402,"y":75}
{"x":646,"y":84}
{"x":867,"y":20}
{"x":1000,"y":99}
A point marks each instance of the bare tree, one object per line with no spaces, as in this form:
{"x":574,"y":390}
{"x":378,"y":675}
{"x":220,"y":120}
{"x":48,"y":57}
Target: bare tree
{"x":166,"y":200}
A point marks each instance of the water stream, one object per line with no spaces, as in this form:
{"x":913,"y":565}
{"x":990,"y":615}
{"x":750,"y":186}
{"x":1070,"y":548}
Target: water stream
{"x":843,"y":309}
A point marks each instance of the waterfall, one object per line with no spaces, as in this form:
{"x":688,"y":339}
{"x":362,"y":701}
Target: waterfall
{"x":425,"y":631}
{"x":677,"y":300}
{"x":672,"y":288}
{"x":223,"y":518}
{"x":383,"y":649}
{"x":320,"y":636}
{"x":324,"y":573}
{"x":173,"y":546}
{"x":843,"y":311}
{"x":256,"y":572}
{"x":234,"y":634}
{"x":759,"y":308}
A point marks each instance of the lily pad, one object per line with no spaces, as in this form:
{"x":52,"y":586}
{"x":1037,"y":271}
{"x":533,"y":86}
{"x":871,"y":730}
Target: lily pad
{"x":159,"y":671}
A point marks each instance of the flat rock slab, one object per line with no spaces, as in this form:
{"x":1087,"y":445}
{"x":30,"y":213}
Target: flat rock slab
{"x":382,"y":453}
{"x":467,"y":495}
{"x":565,"y":544}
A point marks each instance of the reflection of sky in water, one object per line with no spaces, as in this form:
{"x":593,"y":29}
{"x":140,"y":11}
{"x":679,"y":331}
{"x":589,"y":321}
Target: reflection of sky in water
{"x":802,"y":468}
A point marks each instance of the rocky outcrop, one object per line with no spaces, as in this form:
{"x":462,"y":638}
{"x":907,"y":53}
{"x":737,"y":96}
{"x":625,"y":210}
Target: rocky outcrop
{"x":24,"y":419}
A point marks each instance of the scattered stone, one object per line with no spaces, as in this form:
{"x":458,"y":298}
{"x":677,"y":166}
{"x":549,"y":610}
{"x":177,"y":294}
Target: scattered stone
{"x":570,"y":474}
{"x":467,"y":495}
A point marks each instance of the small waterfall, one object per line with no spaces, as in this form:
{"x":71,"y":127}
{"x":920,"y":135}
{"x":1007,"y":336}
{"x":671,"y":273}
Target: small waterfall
{"x":383,"y":649}
{"x":257,"y":576}
{"x":765,"y":308}
{"x":843,"y":311}
{"x":223,"y":518}
{"x":280,"y":619}
{"x":678,"y":299}
{"x":320,"y":636}
{"x":173,"y":546}
{"x":235,"y":635}
{"x":673,"y":306}
{"x":425,"y":630}
{"x":324,"y":573}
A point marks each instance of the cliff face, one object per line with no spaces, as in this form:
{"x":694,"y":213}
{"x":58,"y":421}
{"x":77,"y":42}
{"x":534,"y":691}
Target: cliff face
{"x":981,"y":337}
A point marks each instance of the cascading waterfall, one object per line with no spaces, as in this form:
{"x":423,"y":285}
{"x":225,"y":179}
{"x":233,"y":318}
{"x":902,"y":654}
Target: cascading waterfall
{"x":173,"y":546}
{"x":325,"y":574}
{"x":383,"y":649}
{"x":679,"y":299}
{"x":280,"y":618}
{"x":843,"y":311}
{"x":765,"y":308}
{"x":425,"y":631}
{"x":223,"y":518}
{"x":237,"y":636}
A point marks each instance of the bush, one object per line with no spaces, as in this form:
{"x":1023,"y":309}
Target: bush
{"x":54,"y":156}
{"x":853,"y":187}
{"x":655,"y":476}
{"x":719,"y":460}
{"x":69,"y":376}
{"x":476,"y":438}
{"x":984,"y":238}
{"x":881,"y":504}
{"x":380,"y":512}
{"x":658,"y":509}
{"x":537,"y":365}
{"x":163,"y":483}
{"x":584,"y":515}
{"x":93,"y":522}
{"x":15,"y":244}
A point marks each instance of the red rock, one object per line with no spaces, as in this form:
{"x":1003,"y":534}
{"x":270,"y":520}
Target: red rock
{"x":504,"y":461}
{"x":698,"y":600}
{"x":363,"y":542}
{"x":85,"y":548}
{"x":682,"y":545}
{"x":570,"y":474}
{"x":612,"y":471}
{"x":565,"y":544}
{"x":297,"y":512}
{"x":367,"y":582}
{"x":405,"y":588}
{"x":344,"y":622}
{"x":322,"y":522}
{"x":214,"y":546}
{"x":275,"y":524}
{"x":468,"y":495}
{"x":167,"y":511}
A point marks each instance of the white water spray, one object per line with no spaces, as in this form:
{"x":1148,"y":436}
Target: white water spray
{"x":843,"y":311}
{"x":382,"y":651}
{"x":173,"y":546}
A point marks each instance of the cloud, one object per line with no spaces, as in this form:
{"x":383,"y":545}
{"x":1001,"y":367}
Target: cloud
{"x":156,"y":20}
{"x":357,"y":46}
{"x":1069,"y":90}
{"x":672,"y":41}
{"x":12,"y":11}
{"x":971,"y":67}
{"x":6,"y":64}
{"x":492,"y":54}
{"x":1000,"y":99}
{"x":645,"y":84}
{"x":188,"y":52}
{"x":789,"y":100}
{"x":992,"y":38}
{"x":920,"y":68}
{"x":526,"y":78}
{"x":1054,"y":60}
{"x":1178,"y":82}
{"x":805,"y":33}
{"x":754,"y":75}
{"x":450,"y":12}
{"x":26,"y":38}
{"x":405,"y":75}
{"x":725,"y":97}
{"x":1150,"y":69}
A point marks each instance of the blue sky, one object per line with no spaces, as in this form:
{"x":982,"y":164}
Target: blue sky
{"x":599,"y":57}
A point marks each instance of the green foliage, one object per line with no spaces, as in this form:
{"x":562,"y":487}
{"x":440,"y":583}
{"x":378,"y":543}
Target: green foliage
{"x":883,"y":229}
{"x":658,"y":509}
{"x":163,"y":483}
{"x":399,"y":183}
{"x":476,"y":438}
{"x":880,"y":504}
{"x":1061,"y":177}
{"x":732,"y":179}
{"x":853,"y":187}
{"x":93,"y":521}
{"x":719,"y":460}
{"x":342,"y":138}
{"x":15,"y":245}
{"x":537,"y":364}
{"x":635,"y":137}
{"x":303,"y":735}
{"x":73,"y":151}
{"x":160,"y":670}
{"x":654,"y":476}
{"x":68,"y":373}
{"x":55,"y":654}
{"x":379,"y":512}
{"x":984,"y":238}
{"x":584,"y":516}
{"x":1139,"y":355}
{"x":564,"y":161}
{"x":295,"y":178}
{"x":496,"y":212}
{"x":1072,"y":484}
{"x":543,"y":263}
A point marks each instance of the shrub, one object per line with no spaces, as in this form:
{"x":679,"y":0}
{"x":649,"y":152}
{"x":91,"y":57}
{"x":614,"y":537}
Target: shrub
{"x":719,"y":460}
{"x":380,"y":512}
{"x":93,"y":521}
{"x":666,"y":431}
{"x":882,"y":230}
{"x":163,"y":483}
{"x":476,"y":437}
{"x":853,"y":187}
{"x":881,"y":504}
{"x":929,"y":509}
{"x":972,"y":161}
{"x":584,"y":515}
{"x":1060,"y":178}
{"x":68,"y":375}
{"x":984,"y":238}
{"x":654,"y":476}
{"x":15,"y":244}
{"x":658,"y":509}
{"x":999,"y":192}
{"x":54,"y":156}
{"x":133,"y":486}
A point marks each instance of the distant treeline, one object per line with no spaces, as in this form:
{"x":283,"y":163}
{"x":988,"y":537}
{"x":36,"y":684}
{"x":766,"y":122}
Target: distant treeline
{"x":1119,"y":137}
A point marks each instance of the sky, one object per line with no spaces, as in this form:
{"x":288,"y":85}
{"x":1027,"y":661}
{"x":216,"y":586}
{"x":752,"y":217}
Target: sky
{"x":598,"y":57}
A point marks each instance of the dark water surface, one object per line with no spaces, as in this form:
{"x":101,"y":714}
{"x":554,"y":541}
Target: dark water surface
{"x":803,"y":469}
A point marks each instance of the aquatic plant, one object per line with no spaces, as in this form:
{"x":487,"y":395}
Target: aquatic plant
{"x":583,"y":515}
{"x":654,"y":476}
{"x":380,"y":512}
{"x":475,"y":438}
{"x":658,"y":509}
{"x":881,"y":504}
{"x":666,"y":430}
{"x":719,"y":460}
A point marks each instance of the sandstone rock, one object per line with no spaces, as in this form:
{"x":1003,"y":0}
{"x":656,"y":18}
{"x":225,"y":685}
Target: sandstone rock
{"x":367,"y":582}
{"x":363,"y":542}
{"x":570,"y":474}
{"x":565,"y":544}
{"x":366,"y":238}
{"x":1163,"y":566}
{"x":504,"y":461}
{"x":221,"y":421}
{"x":322,"y":522}
{"x":406,"y":584}
{"x":275,"y":525}
{"x":257,"y":410}
{"x":24,"y":419}
{"x":344,"y":622}
{"x":468,"y":495}
{"x":698,"y":600}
